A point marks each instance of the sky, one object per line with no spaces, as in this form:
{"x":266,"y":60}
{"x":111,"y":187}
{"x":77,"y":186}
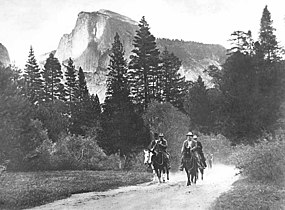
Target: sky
{"x":41,"y":23}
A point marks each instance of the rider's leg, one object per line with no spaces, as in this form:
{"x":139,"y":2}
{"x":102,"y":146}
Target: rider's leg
{"x":199,"y":160}
{"x":203,"y":159}
{"x":181,"y":164}
{"x":168,"y":161}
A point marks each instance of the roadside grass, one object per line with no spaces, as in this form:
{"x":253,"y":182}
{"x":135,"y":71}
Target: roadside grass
{"x":28,"y":189}
{"x":251,"y":195}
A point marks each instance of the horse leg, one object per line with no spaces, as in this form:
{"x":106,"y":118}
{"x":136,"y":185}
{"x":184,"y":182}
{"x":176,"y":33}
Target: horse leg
{"x":158,"y":172}
{"x":202,"y":173}
{"x":197,"y":174}
{"x":188,"y":178}
{"x":167,"y":173}
{"x":163,"y":175}
{"x":154,"y":173}
{"x":193,"y":177}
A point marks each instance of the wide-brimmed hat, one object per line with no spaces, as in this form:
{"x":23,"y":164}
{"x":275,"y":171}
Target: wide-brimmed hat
{"x":189,"y":134}
{"x":161,"y":135}
{"x":195,"y":137}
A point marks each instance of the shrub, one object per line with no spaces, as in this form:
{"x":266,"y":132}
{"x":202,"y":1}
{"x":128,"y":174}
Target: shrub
{"x":264,"y":161}
{"x":72,"y":153}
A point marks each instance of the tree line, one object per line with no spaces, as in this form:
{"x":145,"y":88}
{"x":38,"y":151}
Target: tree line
{"x":243,"y":105}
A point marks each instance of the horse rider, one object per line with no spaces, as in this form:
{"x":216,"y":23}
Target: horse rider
{"x":159,"y":144}
{"x":153,"y":144}
{"x":186,"y":145}
{"x":200,"y":151}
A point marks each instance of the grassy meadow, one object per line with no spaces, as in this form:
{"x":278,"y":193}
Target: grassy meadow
{"x":27,"y":189}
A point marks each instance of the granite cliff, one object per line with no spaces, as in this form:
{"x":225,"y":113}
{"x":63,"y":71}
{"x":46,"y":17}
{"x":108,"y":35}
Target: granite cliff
{"x":90,"y":41}
{"x":4,"y":55}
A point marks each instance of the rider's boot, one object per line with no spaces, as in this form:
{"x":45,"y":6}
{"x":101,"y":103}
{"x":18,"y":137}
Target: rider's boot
{"x":168,"y":166}
{"x":181,"y":167}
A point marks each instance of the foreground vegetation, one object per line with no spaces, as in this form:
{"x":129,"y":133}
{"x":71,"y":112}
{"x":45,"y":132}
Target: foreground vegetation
{"x":251,"y":195}
{"x":27,"y":189}
{"x":262,"y":185}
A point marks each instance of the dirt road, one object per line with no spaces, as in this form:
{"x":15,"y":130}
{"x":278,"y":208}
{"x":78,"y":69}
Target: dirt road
{"x":173,"y":194}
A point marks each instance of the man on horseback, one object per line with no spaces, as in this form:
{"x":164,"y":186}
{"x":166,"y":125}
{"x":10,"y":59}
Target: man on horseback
{"x":199,"y":150}
{"x":186,"y":146}
{"x":159,"y":145}
{"x":152,"y":146}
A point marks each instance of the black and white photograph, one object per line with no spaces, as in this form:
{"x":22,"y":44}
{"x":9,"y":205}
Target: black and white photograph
{"x":142,"y":105}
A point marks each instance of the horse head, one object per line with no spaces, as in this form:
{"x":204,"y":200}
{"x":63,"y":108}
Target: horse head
{"x":147,"y":156}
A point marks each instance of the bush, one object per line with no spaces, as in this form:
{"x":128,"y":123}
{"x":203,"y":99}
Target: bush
{"x":264,"y":161}
{"x":72,"y":153}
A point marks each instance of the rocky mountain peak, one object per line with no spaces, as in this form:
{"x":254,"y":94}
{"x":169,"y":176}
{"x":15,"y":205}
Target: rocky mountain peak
{"x":4,"y":55}
{"x":90,"y":41}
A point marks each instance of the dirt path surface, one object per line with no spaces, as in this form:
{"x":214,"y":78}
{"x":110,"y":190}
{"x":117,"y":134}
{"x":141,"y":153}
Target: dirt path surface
{"x":173,"y":194}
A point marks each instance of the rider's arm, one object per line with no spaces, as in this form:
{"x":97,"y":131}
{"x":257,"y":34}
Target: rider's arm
{"x":183,"y":148}
{"x":194,"y":147}
{"x":199,"y":145}
{"x":164,"y":144}
{"x":151,"y":145}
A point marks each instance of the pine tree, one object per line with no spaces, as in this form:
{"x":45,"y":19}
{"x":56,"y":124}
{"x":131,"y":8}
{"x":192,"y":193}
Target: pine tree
{"x":269,"y":69}
{"x":15,"y":123}
{"x":71,"y":81}
{"x":52,"y":74}
{"x":242,"y":42}
{"x":267,"y":38}
{"x":197,"y":105}
{"x":82,"y":90}
{"x":87,"y":109}
{"x":119,"y":119}
{"x":144,"y":64}
{"x":34,"y":82}
{"x":172,"y":84}
{"x":96,"y":106}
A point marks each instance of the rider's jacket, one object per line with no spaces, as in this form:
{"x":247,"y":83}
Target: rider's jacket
{"x":192,"y":145}
{"x":158,"y":145}
{"x":199,"y":147}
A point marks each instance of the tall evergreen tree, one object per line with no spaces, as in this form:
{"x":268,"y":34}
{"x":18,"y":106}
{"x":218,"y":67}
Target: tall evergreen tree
{"x":52,"y":74}
{"x":241,"y":99}
{"x":144,"y":64}
{"x":82,"y":91}
{"x":172,"y":85}
{"x":197,"y":106}
{"x":269,"y":69}
{"x":16,"y":129}
{"x":71,"y":81}
{"x":87,"y":109}
{"x":120,"y":123}
{"x":34,"y":82}
{"x":267,"y":38}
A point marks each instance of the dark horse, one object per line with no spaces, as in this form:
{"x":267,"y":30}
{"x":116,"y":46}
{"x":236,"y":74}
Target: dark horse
{"x":158,"y":163}
{"x":191,"y":167}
